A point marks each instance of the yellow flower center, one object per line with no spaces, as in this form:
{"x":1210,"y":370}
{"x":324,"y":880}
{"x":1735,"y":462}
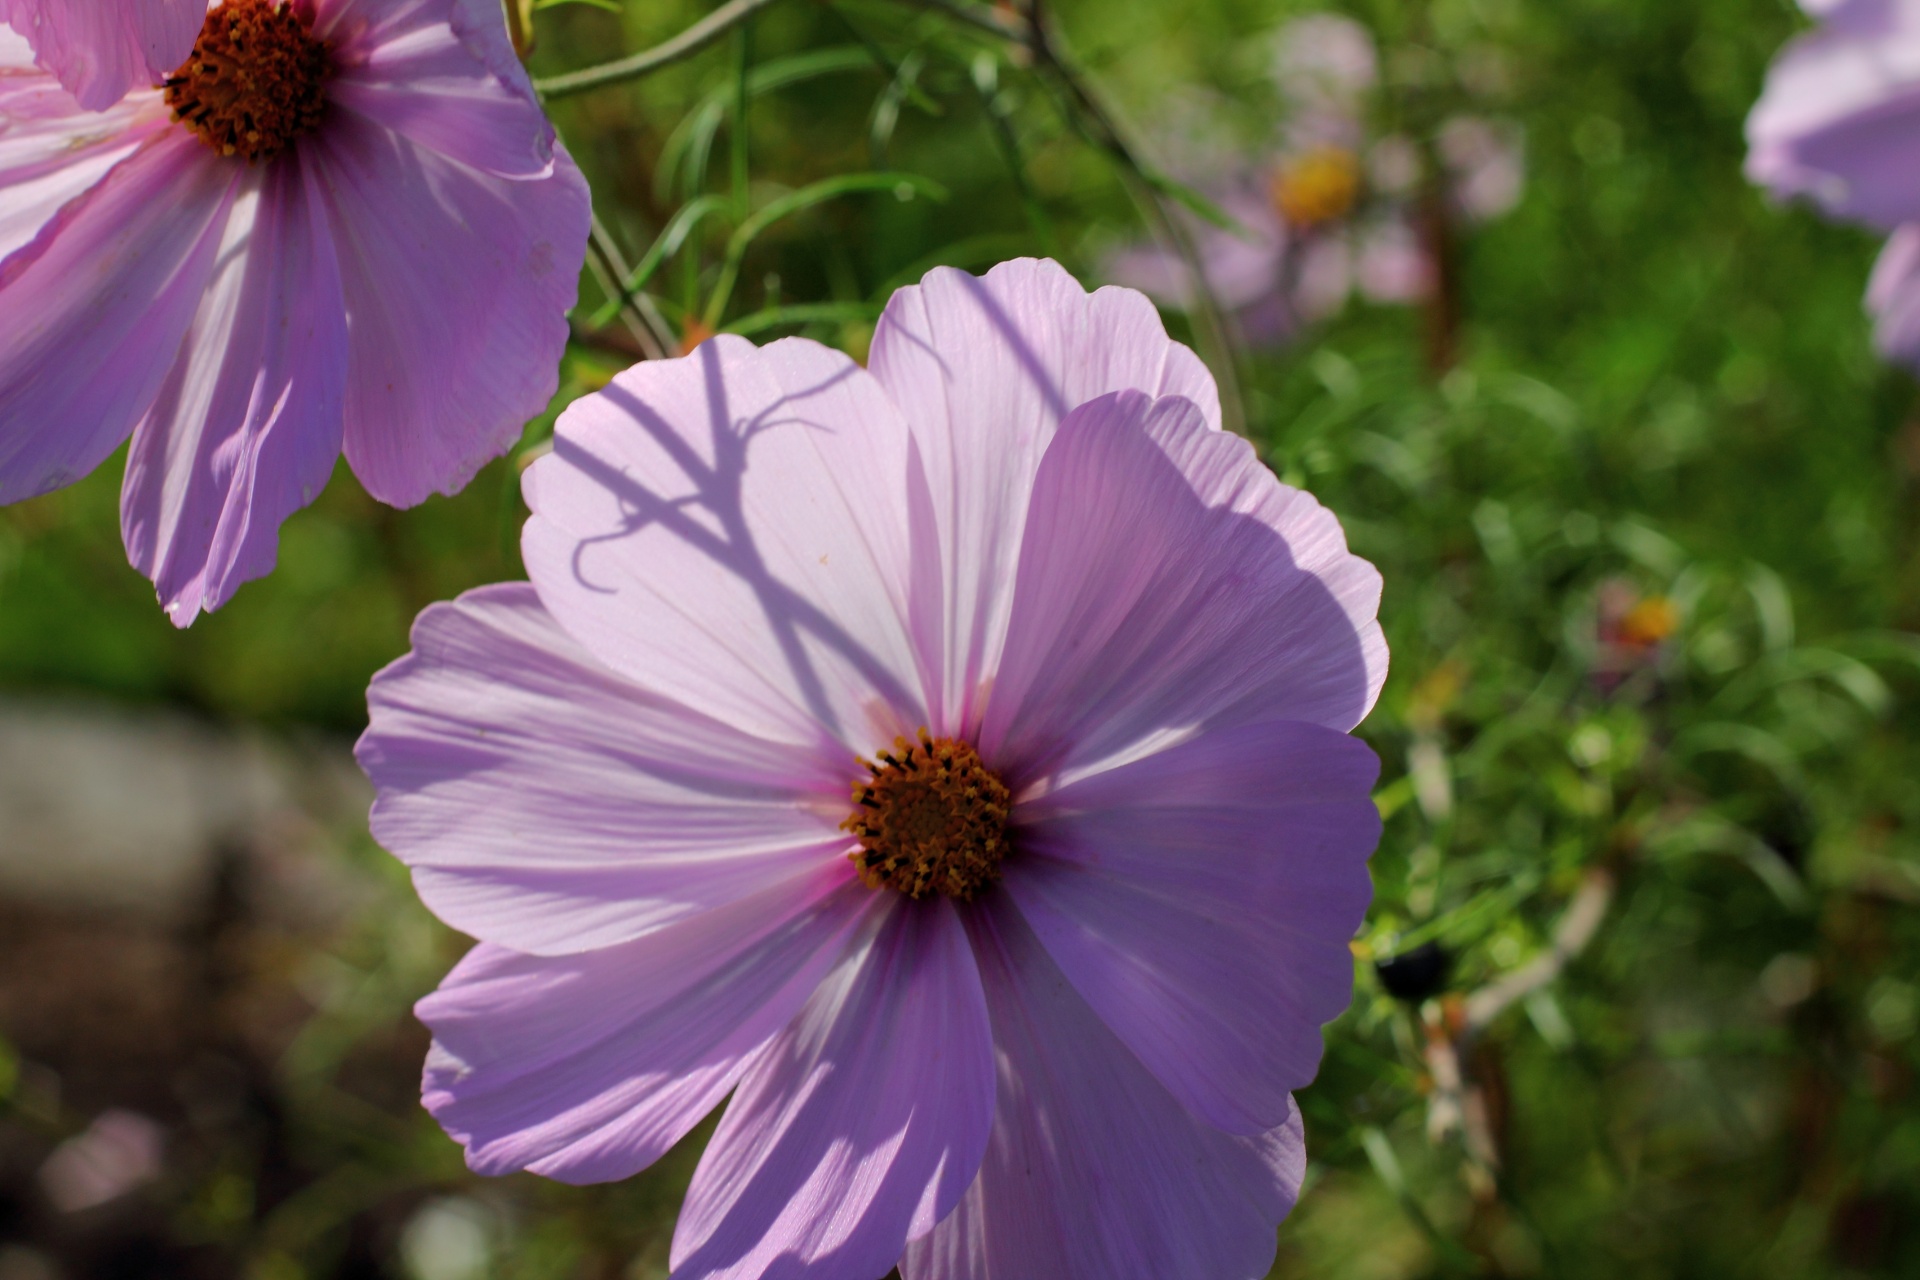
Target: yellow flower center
{"x":255,"y":81}
{"x":1318,"y":186}
{"x":1649,"y":622}
{"x":932,"y":818}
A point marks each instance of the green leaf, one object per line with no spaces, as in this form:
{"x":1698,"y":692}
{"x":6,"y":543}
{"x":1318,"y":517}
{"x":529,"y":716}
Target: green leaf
{"x":905,"y":186}
{"x":795,"y":314}
{"x":691,"y":142}
{"x":974,"y":251}
{"x":1747,"y":741}
{"x":1186,"y":197}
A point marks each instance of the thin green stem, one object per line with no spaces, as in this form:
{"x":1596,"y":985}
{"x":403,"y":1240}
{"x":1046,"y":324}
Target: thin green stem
{"x":685,"y":45}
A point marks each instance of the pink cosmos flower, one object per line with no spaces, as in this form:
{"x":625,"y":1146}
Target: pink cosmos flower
{"x":343,"y":224}
{"x":1486,"y":165}
{"x":1325,"y":61}
{"x":1273,"y":278}
{"x":949,"y":761}
{"x":1839,"y":124}
{"x":99,"y":49}
{"x":1330,"y":209}
{"x":1633,"y":635}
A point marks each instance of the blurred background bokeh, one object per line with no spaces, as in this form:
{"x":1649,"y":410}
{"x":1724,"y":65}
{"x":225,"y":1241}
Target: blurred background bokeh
{"x":1638,"y":991}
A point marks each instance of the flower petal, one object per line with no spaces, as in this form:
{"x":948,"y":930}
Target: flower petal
{"x":1241,"y":266}
{"x":548,"y":804}
{"x":1325,"y":62}
{"x":587,"y":1068}
{"x":246,"y":428}
{"x":1094,"y":1172}
{"x":860,"y":1126}
{"x":100,"y":49}
{"x":444,"y":75}
{"x":729,"y":529}
{"x":1201,"y":901}
{"x":1168,"y":581}
{"x":1893,"y":297}
{"x":50,"y":149}
{"x":1391,"y":263}
{"x":1486,"y":164}
{"x":1864,"y":16}
{"x":1837,"y":119}
{"x":109,"y":284}
{"x":984,"y":369}
{"x":457,"y":288}
{"x":1855,"y":14}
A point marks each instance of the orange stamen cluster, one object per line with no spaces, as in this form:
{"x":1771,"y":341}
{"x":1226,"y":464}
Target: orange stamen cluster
{"x":255,"y":82}
{"x":932,"y":818}
{"x":1317,"y":187}
{"x":1649,"y":622}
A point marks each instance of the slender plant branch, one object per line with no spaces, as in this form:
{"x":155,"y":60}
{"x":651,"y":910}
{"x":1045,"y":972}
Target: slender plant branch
{"x":643,"y":342}
{"x":1083,"y":110}
{"x":1099,"y":128}
{"x":611,"y":272}
{"x":1458,"y":1102}
{"x":1571,"y":935}
{"x":1030,"y":32}
{"x":616,"y":340}
{"x":992,"y":21}
{"x":665,"y":245}
{"x":685,"y":45}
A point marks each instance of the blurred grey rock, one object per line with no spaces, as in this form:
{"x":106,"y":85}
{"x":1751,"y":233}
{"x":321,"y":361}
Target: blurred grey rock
{"x":26,"y":1264}
{"x":106,"y":811}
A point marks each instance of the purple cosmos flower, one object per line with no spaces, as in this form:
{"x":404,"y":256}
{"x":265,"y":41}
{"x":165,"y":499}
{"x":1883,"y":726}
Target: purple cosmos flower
{"x":1485,"y":163}
{"x":948,"y":760}
{"x":1839,"y":124}
{"x":99,"y":49}
{"x":370,"y":245}
{"x":1274,"y":278}
{"x":1633,"y":636}
{"x":1326,"y":60}
{"x":1329,"y":210}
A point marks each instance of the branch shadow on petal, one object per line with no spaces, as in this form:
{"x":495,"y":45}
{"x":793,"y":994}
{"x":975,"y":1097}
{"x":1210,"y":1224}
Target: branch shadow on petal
{"x":712,"y":520}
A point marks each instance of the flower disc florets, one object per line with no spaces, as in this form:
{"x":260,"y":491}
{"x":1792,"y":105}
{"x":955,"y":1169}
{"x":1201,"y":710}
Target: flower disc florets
{"x":255,"y":82}
{"x":931,"y":819}
{"x":1321,"y":186}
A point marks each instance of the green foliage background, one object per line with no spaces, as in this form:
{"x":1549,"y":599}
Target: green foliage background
{"x":1664,"y":382}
